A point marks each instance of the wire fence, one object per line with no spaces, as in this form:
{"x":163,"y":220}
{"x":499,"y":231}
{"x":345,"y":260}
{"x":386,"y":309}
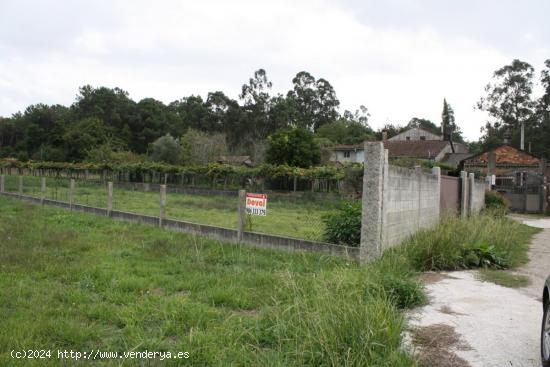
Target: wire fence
{"x":297,"y":215}
{"x":90,"y":193}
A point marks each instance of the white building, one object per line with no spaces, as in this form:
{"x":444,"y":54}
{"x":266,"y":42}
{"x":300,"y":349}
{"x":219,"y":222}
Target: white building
{"x":413,"y":143}
{"x":416,"y":133}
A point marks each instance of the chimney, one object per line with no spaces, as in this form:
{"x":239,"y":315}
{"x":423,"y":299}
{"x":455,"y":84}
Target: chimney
{"x":384,"y":135}
{"x":522,"y":141}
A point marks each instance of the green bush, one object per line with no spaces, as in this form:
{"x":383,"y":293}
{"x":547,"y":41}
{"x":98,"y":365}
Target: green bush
{"x":495,"y":200}
{"x":484,"y":255}
{"x":344,"y":226}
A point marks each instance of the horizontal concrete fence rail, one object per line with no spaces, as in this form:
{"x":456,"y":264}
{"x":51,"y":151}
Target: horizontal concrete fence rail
{"x":397,"y":202}
{"x":259,"y":240}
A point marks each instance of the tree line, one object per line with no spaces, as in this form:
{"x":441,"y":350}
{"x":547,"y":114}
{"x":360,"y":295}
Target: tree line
{"x":106,"y":120}
{"x":510,"y":103}
{"x":298,"y":128}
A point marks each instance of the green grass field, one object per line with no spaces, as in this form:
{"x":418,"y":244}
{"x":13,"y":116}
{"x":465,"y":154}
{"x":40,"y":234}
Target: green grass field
{"x":73,"y":281}
{"x":286,"y":217}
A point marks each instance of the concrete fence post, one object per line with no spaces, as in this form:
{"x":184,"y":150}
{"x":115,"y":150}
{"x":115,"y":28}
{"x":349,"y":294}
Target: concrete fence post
{"x":109,"y":198}
{"x":463,"y":194}
{"x":373,"y":196}
{"x":20,"y":189}
{"x":471,"y":187}
{"x":436,"y":171}
{"x":2,"y":184}
{"x":241,"y":212}
{"x":162,"y":214}
{"x":42,"y":189}
{"x":71,"y":193}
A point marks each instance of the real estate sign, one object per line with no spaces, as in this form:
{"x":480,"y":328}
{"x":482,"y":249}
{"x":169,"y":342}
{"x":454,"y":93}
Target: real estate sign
{"x":256,"y":204}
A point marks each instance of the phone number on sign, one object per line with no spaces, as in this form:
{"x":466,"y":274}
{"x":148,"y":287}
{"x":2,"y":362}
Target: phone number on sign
{"x":256,"y":211}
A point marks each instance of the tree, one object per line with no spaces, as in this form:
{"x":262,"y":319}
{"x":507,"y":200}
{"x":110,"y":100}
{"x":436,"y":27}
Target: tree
{"x":113,"y":106}
{"x":83,"y":136}
{"x":345,"y":131}
{"x":424,"y":124}
{"x":166,"y":149}
{"x":543,"y":105}
{"x":313,"y":100}
{"x":198,"y":147}
{"x":391,"y":130}
{"x":508,"y":100}
{"x":539,"y":135}
{"x":449,"y":128}
{"x":152,"y":123}
{"x":294,"y":147}
{"x":361,"y":116}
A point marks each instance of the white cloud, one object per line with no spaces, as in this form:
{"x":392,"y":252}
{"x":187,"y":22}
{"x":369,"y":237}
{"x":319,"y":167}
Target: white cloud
{"x":170,"y":49}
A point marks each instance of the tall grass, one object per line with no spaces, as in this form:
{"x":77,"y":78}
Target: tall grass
{"x":451,"y":244}
{"x":75,"y":281}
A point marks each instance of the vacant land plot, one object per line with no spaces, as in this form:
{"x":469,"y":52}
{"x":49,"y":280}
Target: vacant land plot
{"x":72,"y":281}
{"x":293,"y":217}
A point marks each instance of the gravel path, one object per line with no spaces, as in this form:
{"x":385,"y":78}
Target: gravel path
{"x":538,"y":267}
{"x":497,"y":326}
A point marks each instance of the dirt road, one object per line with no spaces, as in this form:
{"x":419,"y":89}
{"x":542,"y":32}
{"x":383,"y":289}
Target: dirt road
{"x":492,"y":325}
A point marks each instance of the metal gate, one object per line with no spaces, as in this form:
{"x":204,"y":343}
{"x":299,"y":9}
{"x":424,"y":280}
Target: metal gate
{"x":525,"y":190}
{"x":450,"y":195}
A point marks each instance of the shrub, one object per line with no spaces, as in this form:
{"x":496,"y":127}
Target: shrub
{"x":344,"y":226}
{"x":495,"y":200}
{"x":165,"y":149}
{"x":484,"y":255}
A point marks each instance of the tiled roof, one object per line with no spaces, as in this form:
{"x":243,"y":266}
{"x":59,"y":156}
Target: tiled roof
{"x":425,"y":149}
{"x":454,"y":159}
{"x":343,"y":147}
{"x":235,"y":159}
{"x":505,"y":154}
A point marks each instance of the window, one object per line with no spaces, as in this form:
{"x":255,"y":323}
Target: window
{"x":422,"y":137}
{"x":347,"y":154}
{"x":408,"y":138}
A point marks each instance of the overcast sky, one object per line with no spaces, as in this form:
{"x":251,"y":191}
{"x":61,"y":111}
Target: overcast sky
{"x":397,"y":57}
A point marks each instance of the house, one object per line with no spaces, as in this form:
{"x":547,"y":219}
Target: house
{"x":435,"y":150}
{"x":416,"y":133}
{"x":413,"y":143}
{"x":502,"y":161}
{"x":347,"y":154}
{"x":235,"y":160}
{"x":519,"y":175}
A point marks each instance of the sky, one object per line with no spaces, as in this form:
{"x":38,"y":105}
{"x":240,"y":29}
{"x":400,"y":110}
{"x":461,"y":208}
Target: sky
{"x":399,"y":58}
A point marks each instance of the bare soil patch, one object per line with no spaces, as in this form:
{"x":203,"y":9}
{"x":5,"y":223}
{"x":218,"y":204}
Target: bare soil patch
{"x":433,"y":277}
{"x":435,"y":343}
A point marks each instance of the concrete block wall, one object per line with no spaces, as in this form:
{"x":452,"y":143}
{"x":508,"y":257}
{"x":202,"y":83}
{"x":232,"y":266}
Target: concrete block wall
{"x":412,"y":203}
{"x":478,"y":196}
{"x":397,"y":202}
